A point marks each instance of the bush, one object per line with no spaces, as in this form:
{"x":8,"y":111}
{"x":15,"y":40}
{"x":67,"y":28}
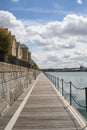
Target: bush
{"x":14,"y":60}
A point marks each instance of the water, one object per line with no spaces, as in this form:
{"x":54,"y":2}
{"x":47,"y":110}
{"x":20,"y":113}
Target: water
{"x":79,"y":79}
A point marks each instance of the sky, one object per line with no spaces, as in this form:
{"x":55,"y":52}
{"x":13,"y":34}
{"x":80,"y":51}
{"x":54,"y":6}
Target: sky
{"x":55,"y":31}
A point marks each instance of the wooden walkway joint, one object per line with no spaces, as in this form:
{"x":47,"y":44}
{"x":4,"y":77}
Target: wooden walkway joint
{"x":42,"y":110}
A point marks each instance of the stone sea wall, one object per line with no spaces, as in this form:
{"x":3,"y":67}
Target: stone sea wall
{"x":13,"y":81}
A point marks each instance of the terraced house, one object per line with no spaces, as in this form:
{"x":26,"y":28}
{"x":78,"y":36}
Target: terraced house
{"x":19,"y":50}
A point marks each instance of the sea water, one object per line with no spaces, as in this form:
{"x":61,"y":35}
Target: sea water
{"x":79,"y":80}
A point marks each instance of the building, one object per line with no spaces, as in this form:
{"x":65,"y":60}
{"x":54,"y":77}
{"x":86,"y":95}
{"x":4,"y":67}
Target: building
{"x":18,"y":50}
{"x":29,"y":56}
{"x":14,"y":46}
{"x":24,"y":49}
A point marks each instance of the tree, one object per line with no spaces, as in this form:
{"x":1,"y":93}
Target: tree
{"x":35,"y":66}
{"x":5,"y":43}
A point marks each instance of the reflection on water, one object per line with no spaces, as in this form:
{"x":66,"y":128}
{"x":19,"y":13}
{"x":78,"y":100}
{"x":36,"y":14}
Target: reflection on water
{"x":79,"y":79}
{"x":83,"y":112}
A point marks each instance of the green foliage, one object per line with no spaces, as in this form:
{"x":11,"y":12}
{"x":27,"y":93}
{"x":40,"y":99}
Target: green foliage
{"x":14,"y":60}
{"x":5,"y":43}
{"x":35,"y":66}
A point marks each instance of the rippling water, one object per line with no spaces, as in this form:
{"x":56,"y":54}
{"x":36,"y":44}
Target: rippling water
{"x":79,"y":79}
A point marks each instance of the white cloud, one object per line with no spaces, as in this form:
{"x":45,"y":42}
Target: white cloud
{"x":79,"y":1}
{"x":60,"y":43}
{"x":15,"y":26}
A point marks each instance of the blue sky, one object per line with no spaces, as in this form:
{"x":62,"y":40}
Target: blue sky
{"x":54,"y":30}
{"x":43,"y":9}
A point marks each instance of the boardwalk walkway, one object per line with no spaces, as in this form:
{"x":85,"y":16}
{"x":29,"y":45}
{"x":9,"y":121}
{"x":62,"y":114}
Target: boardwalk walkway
{"x":42,"y":110}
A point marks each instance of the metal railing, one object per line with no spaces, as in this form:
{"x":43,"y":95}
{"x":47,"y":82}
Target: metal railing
{"x":61,"y":85}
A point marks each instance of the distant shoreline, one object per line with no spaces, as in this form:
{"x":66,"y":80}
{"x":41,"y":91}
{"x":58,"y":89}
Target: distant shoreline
{"x":64,"y":70}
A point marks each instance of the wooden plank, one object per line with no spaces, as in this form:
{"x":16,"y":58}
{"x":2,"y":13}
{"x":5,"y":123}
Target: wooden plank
{"x":44,"y":110}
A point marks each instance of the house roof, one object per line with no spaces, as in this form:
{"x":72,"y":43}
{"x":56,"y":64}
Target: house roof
{"x":23,"y":46}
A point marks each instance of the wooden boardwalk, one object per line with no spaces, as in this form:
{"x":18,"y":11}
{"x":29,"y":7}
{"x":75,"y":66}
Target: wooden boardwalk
{"x":43,"y":110}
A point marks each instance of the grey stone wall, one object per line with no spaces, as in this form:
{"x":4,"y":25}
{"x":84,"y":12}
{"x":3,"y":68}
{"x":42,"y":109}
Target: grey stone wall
{"x":5,"y":67}
{"x":13,"y":84}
